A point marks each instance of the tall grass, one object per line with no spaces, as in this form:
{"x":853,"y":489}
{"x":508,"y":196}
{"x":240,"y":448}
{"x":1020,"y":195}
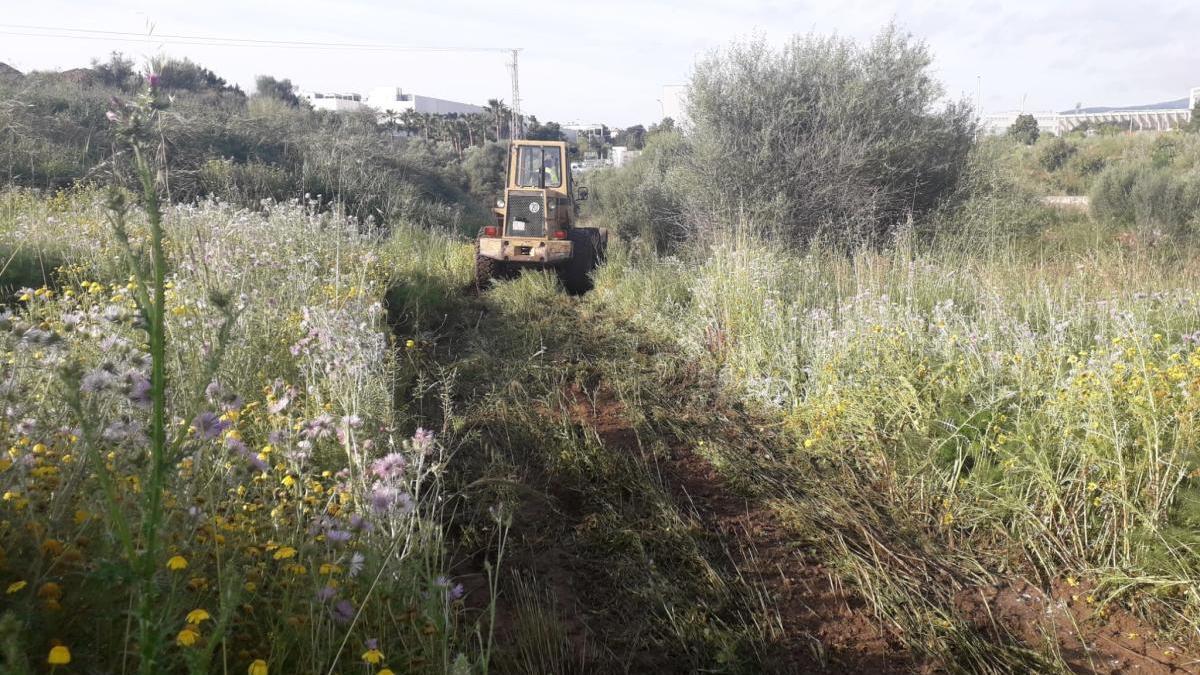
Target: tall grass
{"x":1011,"y":410}
{"x":298,"y":510}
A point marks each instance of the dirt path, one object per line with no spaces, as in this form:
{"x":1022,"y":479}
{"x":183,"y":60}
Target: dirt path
{"x":604,"y":483}
{"x":821,"y":627}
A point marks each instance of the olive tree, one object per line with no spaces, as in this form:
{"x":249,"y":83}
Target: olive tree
{"x":823,"y":136}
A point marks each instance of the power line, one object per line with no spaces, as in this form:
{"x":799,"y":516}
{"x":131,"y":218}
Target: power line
{"x":218,"y":41}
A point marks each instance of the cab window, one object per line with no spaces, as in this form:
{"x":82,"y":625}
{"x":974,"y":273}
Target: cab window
{"x":539,"y":167}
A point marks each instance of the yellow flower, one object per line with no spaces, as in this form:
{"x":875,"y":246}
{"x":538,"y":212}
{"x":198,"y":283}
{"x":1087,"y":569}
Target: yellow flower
{"x":410,"y":344}
{"x":187,"y":637}
{"x":176,"y":563}
{"x":329,"y":568}
{"x":50,"y":591}
{"x":59,"y":656}
{"x":198,"y":616}
{"x":385,"y":671}
{"x":259,"y":667}
{"x":288,"y":481}
{"x":285,"y":552}
{"x":16,"y":586}
{"x":372,"y":656}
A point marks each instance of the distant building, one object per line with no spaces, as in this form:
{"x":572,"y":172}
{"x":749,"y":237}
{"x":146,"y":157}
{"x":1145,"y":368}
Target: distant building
{"x":997,"y":124}
{"x":621,"y":155}
{"x":393,"y":100}
{"x":1155,"y":117}
{"x":334,"y":102}
{"x":592,"y":131}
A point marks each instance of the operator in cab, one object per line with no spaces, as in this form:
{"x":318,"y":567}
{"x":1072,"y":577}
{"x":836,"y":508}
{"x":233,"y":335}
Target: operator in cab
{"x":550,"y":166}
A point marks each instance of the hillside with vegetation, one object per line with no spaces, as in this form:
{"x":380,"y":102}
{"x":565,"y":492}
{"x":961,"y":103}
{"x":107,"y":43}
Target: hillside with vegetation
{"x":847,"y":396}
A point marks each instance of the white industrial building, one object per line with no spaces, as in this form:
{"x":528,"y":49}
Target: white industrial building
{"x":393,"y":100}
{"x":591,"y":130}
{"x":387,"y":100}
{"x":333,"y":102}
{"x":1131,"y":119}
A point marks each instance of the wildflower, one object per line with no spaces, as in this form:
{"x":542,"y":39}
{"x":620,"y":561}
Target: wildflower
{"x":373,"y":656}
{"x":385,"y":671}
{"x":947,"y":518}
{"x":208,"y":425}
{"x":284,"y":553}
{"x":343,"y":611}
{"x":16,"y":586}
{"x":327,"y":569}
{"x":59,"y":656}
{"x":187,"y":637}
{"x":422,"y":439}
{"x":326,"y":593}
{"x":389,"y":466}
{"x":357,"y":562}
{"x":96,"y":381}
{"x":139,"y":392}
{"x":337,"y":536}
{"x":259,"y":667}
{"x":50,"y":591}
{"x":410,"y":344}
{"x":198,"y":616}
{"x":177,"y":563}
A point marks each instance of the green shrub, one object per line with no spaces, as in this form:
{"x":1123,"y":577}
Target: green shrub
{"x":1055,"y":153}
{"x":823,"y":135}
{"x":1147,"y":196}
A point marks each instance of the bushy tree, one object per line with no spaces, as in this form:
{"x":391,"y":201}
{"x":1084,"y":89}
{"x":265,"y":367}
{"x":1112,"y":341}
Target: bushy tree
{"x":1055,"y":153}
{"x":1193,"y":125}
{"x":485,"y":167}
{"x":823,"y":135}
{"x":1025,"y":129}
{"x":282,"y":90}
{"x":118,"y":72}
{"x":633,"y":137}
{"x":550,"y":131}
{"x":184,"y":75}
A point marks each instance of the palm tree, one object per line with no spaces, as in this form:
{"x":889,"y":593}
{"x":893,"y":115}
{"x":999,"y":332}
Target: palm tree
{"x":499,"y":113}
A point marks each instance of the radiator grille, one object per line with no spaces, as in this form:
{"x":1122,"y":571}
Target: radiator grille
{"x":534,"y":219}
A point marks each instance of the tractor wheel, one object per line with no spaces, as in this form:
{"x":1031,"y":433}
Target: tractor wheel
{"x":487,"y":269}
{"x":585,"y":256}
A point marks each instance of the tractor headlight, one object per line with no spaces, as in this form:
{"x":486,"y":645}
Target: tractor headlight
{"x":552,"y":204}
{"x":500,"y":202}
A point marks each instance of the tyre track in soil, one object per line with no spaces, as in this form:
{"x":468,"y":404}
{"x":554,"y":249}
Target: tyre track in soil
{"x":824,"y":627}
{"x":827,"y":628}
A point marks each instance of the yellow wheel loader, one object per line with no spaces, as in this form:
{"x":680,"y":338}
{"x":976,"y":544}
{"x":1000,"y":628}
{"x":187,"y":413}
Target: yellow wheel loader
{"x":536,"y":221}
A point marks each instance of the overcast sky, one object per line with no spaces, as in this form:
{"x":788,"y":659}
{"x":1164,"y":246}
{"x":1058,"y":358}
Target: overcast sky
{"x":608,"y":61}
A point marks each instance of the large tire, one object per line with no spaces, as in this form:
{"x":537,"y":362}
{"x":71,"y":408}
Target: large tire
{"x":486,"y":270}
{"x":586,"y":252}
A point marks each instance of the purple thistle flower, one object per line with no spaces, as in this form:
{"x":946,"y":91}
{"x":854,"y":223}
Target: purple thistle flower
{"x":338,"y":536}
{"x":422,"y":439}
{"x":139,"y":393}
{"x":382,"y":497}
{"x":372,"y":644}
{"x":208,"y":425}
{"x":96,"y":381}
{"x":326,"y":594}
{"x":343,"y":611}
{"x":456,"y":592}
{"x":389,"y":466}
